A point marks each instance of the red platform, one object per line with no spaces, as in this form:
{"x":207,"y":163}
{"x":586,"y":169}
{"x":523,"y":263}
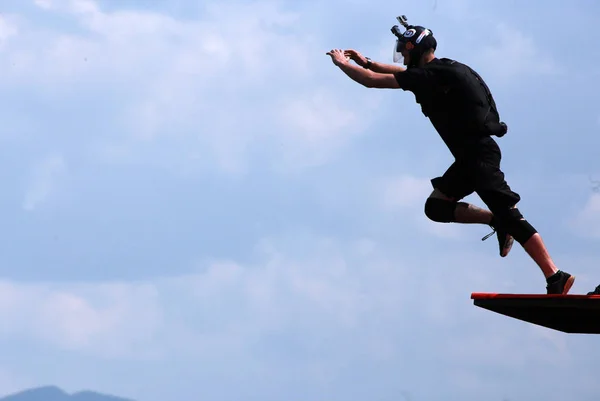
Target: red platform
{"x":567,"y":313}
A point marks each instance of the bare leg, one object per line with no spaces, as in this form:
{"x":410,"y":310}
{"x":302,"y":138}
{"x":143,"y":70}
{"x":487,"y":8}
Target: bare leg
{"x":466,"y":213}
{"x":537,"y":250}
{"x":558,"y":282}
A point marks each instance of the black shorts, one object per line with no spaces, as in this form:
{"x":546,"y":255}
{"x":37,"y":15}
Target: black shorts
{"x":478,"y":171}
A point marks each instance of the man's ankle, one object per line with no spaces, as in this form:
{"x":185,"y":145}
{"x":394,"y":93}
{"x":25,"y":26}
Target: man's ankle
{"x":553,"y":275}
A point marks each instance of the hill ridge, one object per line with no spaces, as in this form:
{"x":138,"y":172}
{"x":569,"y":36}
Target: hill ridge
{"x":55,"y":393}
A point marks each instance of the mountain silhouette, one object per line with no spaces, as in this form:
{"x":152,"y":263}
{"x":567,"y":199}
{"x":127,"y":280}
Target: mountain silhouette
{"x":53,"y":393}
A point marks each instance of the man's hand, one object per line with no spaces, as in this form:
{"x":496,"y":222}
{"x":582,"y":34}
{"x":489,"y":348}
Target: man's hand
{"x":365,"y":77}
{"x":338,"y":57}
{"x":356,"y":57}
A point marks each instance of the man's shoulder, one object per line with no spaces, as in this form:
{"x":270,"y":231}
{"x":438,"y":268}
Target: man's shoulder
{"x":422,"y":77}
{"x":446,"y":70}
{"x":443,"y":63}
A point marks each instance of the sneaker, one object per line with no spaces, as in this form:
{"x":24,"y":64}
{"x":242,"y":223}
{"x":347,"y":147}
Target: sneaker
{"x":559,"y":283}
{"x":595,"y":292}
{"x":505,"y":240}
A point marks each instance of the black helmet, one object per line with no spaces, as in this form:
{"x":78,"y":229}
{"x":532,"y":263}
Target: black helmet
{"x":416,"y":39}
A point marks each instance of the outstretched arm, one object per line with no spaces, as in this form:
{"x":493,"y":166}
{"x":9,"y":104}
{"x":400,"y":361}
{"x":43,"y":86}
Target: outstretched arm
{"x":361,"y":75}
{"x":369,"y":78}
{"x":385,"y":68}
{"x":373,"y":65}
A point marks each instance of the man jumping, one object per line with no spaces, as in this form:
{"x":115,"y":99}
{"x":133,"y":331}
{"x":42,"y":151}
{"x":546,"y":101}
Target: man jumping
{"x":462,"y":110}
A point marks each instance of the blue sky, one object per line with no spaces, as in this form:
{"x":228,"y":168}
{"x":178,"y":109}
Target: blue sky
{"x":198,"y":204}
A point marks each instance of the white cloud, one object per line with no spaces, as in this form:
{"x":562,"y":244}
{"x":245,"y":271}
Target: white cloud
{"x":8,"y":29}
{"x":373,"y":301}
{"x":587,"y":222}
{"x":45,"y":4}
{"x":333,"y":286}
{"x":11,"y":383}
{"x":232,"y":304}
{"x":407,"y":193}
{"x":46,"y":175}
{"x":107,"y":320}
{"x":513,"y":54}
{"x":186,"y":91}
{"x":315,"y":126}
{"x":452,"y":231}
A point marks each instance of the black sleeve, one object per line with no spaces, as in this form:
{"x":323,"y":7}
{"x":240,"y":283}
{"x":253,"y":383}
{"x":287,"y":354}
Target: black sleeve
{"x":412,"y":79}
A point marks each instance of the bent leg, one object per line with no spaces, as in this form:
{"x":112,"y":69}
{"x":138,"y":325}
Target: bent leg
{"x":513,"y":222}
{"x":493,"y":189}
{"x":443,"y":204}
{"x":444,"y":209}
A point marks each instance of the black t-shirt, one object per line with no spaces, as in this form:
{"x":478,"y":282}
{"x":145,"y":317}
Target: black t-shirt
{"x":456,"y":100}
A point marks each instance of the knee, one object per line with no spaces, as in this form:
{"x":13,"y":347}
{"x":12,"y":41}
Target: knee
{"x":515,"y":224}
{"x":440,"y":210}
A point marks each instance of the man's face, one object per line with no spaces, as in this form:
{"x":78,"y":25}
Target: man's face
{"x":406,"y":56}
{"x":401,"y":54}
